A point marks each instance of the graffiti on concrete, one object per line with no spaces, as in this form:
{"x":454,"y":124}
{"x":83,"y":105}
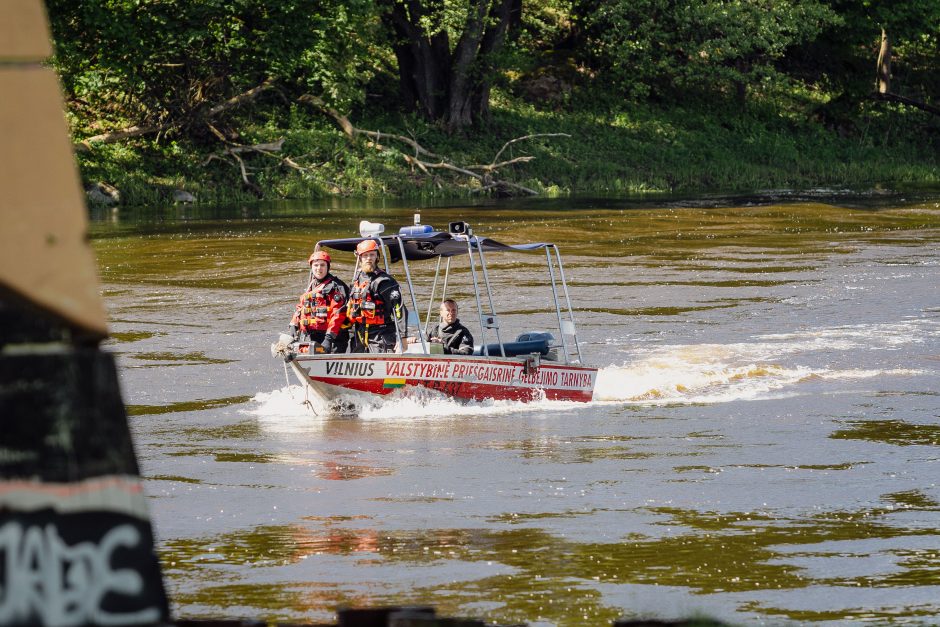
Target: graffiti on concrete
{"x":44,"y":579}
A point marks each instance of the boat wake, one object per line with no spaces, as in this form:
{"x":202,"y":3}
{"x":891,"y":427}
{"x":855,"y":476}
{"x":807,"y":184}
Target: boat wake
{"x":718,"y":373}
{"x":663,"y":381}
{"x":674,"y":374}
{"x":654,"y":381}
{"x":285,"y":409}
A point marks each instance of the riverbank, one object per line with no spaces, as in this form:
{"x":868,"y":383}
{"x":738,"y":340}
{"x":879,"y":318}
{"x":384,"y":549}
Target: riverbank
{"x":606,"y":150}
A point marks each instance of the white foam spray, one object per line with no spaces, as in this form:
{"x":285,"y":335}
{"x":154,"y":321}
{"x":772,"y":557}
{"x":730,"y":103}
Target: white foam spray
{"x":684,"y":373}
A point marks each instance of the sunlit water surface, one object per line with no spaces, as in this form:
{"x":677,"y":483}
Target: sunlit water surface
{"x":762,"y":447}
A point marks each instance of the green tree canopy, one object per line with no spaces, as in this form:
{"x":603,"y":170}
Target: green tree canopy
{"x":661,"y":47}
{"x":150,"y":62}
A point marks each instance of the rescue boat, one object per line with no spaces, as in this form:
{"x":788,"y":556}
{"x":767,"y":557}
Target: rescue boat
{"x":534,"y":366}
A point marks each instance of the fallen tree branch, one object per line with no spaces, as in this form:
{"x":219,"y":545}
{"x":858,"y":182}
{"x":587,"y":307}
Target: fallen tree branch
{"x":500,"y":185}
{"x":240,"y":164}
{"x":235,"y":152}
{"x":494,"y":185}
{"x":241,"y":98}
{"x":236,"y":149}
{"x":294,"y":165}
{"x":265,"y":148}
{"x":890,"y":97}
{"x":116,"y":136}
{"x":418,"y":148}
{"x":352,"y":131}
{"x":219,"y":135}
{"x":443,"y":165}
{"x":341,"y":119}
{"x":232,"y":155}
{"x":481,"y":173}
{"x":136,"y":131}
{"x":524,"y":137}
{"x":495,"y":166}
{"x":419,"y":163}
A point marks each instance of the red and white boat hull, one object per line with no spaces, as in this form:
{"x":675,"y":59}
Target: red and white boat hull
{"x":335,"y":377}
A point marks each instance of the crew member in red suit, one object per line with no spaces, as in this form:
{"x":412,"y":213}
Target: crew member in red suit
{"x":320,"y":315}
{"x":375,"y":309}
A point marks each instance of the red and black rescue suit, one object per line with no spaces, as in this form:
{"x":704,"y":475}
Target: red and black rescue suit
{"x":374,"y":309}
{"x":321,"y":314}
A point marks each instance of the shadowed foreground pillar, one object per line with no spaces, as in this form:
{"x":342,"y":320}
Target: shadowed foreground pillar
{"x":76,"y":545}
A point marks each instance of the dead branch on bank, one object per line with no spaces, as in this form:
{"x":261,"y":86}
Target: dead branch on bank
{"x":889,"y":97}
{"x":233,"y":153}
{"x":136,"y":131}
{"x":484,"y":174}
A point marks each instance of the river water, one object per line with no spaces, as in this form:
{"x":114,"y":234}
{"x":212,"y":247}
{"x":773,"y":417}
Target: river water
{"x":762,"y":447}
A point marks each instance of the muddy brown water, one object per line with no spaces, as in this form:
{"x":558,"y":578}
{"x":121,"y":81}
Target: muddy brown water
{"x":762,"y":447}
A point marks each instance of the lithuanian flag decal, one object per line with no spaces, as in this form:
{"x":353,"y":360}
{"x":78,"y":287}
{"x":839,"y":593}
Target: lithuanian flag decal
{"x":393,"y":383}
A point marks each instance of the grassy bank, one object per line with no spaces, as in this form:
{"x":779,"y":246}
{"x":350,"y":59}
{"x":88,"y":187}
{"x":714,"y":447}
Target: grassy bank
{"x":613,"y":148}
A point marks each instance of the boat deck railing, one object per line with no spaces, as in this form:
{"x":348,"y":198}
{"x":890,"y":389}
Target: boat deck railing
{"x":423,"y":242}
{"x":487,"y":318}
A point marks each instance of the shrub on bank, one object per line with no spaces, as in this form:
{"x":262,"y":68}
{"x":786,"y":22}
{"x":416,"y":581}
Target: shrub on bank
{"x":632,"y":149}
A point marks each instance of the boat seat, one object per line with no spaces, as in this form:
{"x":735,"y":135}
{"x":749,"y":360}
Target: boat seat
{"x":525,"y":344}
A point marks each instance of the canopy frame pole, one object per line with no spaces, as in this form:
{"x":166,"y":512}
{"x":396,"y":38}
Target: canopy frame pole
{"x":352,"y":327}
{"x":437,"y":273}
{"x":355,"y":271}
{"x":414,"y":303}
{"x":564,"y":285}
{"x":489,"y":294}
{"x":446,"y":277}
{"x":386,"y":254}
{"x":561,"y":331}
{"x":476,"y":294}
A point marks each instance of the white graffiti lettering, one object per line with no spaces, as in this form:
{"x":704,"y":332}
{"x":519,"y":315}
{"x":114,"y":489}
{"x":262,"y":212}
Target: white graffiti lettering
{"x":61,"y":585}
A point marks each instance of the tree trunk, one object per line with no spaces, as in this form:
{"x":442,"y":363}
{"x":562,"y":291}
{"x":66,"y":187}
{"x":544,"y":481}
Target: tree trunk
{"x":422,"y":60}
{"x":883,"y":80}
{"x":451,"y":87}
{"x":485,"y":32}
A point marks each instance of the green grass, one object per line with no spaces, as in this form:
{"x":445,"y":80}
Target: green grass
{"x":611,"y":150}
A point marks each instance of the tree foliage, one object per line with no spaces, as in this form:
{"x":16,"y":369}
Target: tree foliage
{"x":154,"y":62}
{"x":150,"y":61}
{"x":661,"y":47}
{"x":843,"y":55}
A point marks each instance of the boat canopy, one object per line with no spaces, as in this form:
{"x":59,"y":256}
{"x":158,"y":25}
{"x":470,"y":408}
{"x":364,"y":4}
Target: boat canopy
{"x":422,"y":242}
{"x":430,"y":245}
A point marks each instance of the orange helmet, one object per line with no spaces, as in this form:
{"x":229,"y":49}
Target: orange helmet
{"x":319,"y":256}
{"x":366,"y":245}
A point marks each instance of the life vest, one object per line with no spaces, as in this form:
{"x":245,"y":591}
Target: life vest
{"x":316,"y":305}
{"x":365,"y":306}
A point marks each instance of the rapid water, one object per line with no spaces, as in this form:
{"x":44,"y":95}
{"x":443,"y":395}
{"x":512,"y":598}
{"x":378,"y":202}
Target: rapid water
{"x":761,"y":448}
